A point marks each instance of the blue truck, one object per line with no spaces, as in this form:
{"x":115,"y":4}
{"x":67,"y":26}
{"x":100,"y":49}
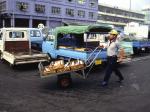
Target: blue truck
{"x":139,"y":46}
{"x":138,"y":35}
{"x":76,"y":42}
{"x":143,"y":45}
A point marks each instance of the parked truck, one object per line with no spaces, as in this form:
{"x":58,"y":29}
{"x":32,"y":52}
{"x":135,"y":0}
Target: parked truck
{"x":76,"y":42}
{"x":138,"y":35}
{"x":15,"y":47}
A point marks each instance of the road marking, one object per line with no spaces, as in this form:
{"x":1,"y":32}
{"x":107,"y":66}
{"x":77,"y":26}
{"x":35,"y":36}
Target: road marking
{"x":136,"y":86}
{"x":132,"y":76}
{"x":141,"y":58}
{"x":137,"y":59}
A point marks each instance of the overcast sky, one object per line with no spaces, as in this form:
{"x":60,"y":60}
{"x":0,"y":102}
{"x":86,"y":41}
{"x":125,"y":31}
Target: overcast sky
{"x":135,"y":4}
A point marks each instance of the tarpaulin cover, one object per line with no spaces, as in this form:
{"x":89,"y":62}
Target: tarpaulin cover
{"x":81,"y":29}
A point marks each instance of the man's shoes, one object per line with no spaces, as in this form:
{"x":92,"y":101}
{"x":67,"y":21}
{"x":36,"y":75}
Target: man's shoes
{"x":104,"y":83}
{"x":120,"y":80}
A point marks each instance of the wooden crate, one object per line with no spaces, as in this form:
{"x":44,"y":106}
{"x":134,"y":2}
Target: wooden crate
{"x":75,"y":67}
{"x":48,"y":71}
{"x":65,"y":69}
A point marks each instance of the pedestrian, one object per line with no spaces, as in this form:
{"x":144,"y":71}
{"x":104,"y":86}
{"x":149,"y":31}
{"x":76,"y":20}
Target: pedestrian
{"x":112,"y":51}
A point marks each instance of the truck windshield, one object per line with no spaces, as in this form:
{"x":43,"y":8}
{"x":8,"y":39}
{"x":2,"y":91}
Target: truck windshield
{"x":35,"y":33}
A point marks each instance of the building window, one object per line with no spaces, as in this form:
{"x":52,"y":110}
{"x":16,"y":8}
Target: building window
{"x":81,"y":1}
{"x":39,"y":8}
{"x":70,"y":12}
{"x":91,"y":15}
{"x":92,"y":3}
{"x":22,"y":6}
{"x":56,"y":10}
{"x":3,"y":6}
{"x":70,"y":0}
{"x":81,"y":13}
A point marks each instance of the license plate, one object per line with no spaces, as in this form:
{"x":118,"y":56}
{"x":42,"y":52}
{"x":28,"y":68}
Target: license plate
{"x":98,"y":62}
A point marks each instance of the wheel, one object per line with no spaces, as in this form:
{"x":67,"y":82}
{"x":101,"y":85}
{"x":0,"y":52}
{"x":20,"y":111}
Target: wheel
{"x":136,"y":51}
{"x":147,"y":50}
{"x":64,"y":81}
{"x":12,"y":66}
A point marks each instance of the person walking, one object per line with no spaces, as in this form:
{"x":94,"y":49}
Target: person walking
{"x":112,"y":51}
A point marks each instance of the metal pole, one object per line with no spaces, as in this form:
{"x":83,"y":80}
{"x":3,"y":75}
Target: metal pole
{"x":13,"y":18}
{"x":130,"y":6}
{"x":3,"y":22}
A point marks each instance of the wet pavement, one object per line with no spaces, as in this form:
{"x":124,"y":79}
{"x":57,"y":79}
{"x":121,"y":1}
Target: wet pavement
{"x":22,"y":90}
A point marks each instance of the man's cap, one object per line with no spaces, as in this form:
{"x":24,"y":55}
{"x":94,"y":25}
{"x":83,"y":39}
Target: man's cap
{"x":113,"y":32}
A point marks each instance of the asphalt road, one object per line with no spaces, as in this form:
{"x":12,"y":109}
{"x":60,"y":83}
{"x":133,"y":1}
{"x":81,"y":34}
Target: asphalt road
{"x":22,"y":90}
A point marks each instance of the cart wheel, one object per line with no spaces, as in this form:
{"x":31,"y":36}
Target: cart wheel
{"x":12,"y":66}
{"x":64,"y":81}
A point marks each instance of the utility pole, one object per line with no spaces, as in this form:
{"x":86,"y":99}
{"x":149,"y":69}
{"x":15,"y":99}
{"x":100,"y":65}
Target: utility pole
{"x":0,"y":19}
{"x":130,"y":6}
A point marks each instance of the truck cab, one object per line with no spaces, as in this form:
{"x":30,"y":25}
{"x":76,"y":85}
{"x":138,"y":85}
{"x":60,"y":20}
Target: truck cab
{"x":138,"y":35}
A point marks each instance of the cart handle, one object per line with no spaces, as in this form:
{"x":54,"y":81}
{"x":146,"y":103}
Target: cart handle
{"x":88,"y":65}
{"x":40,"y":67}
{"x":91,"y":54}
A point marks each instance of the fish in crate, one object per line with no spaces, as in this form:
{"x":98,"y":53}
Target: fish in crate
{"x":58,"y":64}
{"x":75,"y":65}
{"x":53,"y":67}
{"x":48,"y":70}
{"x":65,"y":69}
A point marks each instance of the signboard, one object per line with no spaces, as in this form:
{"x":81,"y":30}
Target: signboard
{"x":136,"y":30}
{"x":94,"y":37}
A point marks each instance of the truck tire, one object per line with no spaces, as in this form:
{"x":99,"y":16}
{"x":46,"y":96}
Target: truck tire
{"x":136,"y":51}
{"x":147,"y":50}
{"x":64,"y":81}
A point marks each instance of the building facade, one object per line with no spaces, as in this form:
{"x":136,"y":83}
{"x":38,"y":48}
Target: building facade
{"x":147,"y":15}
{"x":117,"y":16}
{"x":52,"y":13}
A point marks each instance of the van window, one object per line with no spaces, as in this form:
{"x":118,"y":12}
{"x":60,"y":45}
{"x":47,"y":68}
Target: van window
{"x":16,"y":34}
{"x":35,"y":33}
